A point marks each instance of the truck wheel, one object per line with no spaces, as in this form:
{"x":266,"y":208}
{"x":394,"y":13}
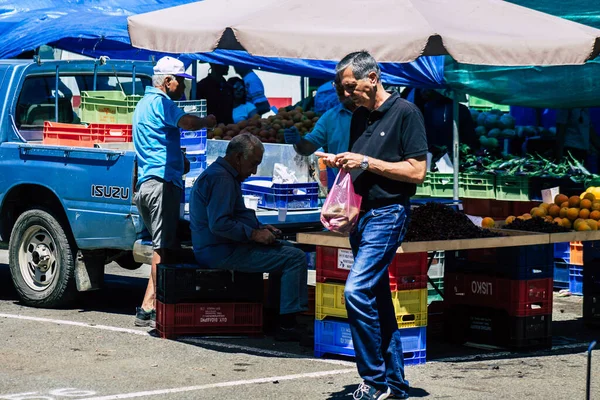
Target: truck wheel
{"x":42,"y":260}
{"x":126,"y":261}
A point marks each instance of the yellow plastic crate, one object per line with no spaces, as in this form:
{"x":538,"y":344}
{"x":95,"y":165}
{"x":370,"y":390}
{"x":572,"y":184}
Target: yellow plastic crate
{"x":410,"y":305}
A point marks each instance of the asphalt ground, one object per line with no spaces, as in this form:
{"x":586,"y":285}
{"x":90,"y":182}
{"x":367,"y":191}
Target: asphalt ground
{"x":93,"y":351}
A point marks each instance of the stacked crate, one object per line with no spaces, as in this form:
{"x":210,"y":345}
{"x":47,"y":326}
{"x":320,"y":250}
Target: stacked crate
{"x":568,"y":267}
{"x":500,"y":297}
{"x":591,"y":284}
{"x":195,"y":301}
{"x":408,"y":286}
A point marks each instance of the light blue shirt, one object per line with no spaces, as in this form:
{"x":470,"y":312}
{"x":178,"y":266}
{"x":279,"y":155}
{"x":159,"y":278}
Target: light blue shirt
{"x":156,"y":138}
{"x":243,"y":112}
{"x":255,"y":90}
{"x":326,"y":98}
{"x":332,"y":130}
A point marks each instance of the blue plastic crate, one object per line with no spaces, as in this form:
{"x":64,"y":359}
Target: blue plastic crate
{"x":561,"y":275}
{"x":197,"y":166}
{"x":283,"y":195}
{"x":576,"y":279}
{"x":194,"y":142}
{"x":334,"y":337}
{"x":562,"y":251}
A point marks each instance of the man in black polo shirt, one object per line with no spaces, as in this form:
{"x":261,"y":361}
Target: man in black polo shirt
{"x":387,"y":159}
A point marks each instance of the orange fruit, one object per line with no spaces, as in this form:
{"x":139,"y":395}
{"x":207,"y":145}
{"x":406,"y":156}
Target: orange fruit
{"x":578,"y":222}
{"x":586,"y":203}
{"x":488,"y":222}
{"x":538,"y":212}
{"x":548,"y":218}
{"x":573,"y":213}
{"x":590,"y":197}
{"x":566,"y":223}
{"x":565,"y":204}
{"x":545,"y":206}
{"x":583,"y":227}
{"x":574,"y":201}
{"x":526,"y":216}
{"x":563,"y":212}
{"x":584,"y":213}
{"x":554,"y":211}
{"x":592,"y":224}
{"x":595,"y":215}
{"x":510,"y":219}
{"x":560,"y":198}
{"x":596,"y":205}
{"x":558,"y":221}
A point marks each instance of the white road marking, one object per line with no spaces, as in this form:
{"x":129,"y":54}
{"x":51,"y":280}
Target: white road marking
{"x":223,"y":384}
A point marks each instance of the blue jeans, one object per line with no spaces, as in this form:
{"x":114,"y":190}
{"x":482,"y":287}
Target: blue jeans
{"x":369,"y":301}
{"x":281,"y":260}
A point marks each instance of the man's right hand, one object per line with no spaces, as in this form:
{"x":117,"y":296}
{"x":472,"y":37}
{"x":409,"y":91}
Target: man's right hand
{"x":328,"y":159}
{"x":263,"y":236}
{"x":292,"y":135}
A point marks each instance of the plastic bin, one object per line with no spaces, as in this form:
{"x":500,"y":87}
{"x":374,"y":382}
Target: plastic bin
{"x":424,"y":189}
{"x":576,"y":253}
{"x":334,"y":337}
{"x":514,"y":188}
{"x":407,"y":270}
{"x":283,"y":195}
{"x":442,"y":185}
{"x":477,"y":186}
{"x":432,"y":294}
{"x":188,"y":283}
{"x":495,"y":327}
{"x":112,"y":133}
{"x":520,"y":298}
{"x":193,"y":107}
{"x":561,"y":275}
{"x":436,"y":270}
{"x":484,"y":105}
{"x":181,"y":319}
{"x":410,"y":305}
{"x":576,"y":279}
{"x":107,"y":107}
{"x":562,"y":251}
{"x":59,"y":134}
{"x":194,"y":142}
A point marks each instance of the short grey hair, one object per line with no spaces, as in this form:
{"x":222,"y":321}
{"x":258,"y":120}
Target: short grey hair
{"x":362,"y":64}
{"x":245,"y":144}
{"x":159,"y":80}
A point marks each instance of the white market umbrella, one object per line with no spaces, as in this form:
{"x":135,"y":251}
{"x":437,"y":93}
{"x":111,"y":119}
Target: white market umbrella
{"x":486,"y":32}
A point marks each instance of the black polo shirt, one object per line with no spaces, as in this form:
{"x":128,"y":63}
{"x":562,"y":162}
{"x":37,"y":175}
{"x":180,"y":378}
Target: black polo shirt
{"x":219,"y":98}
{"x":394,"y":132}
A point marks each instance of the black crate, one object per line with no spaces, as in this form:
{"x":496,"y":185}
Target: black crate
{"x":591,"y":310}
{"x":567,"y":186}
{"x":496,"y":328}
{"x":187,"y":283}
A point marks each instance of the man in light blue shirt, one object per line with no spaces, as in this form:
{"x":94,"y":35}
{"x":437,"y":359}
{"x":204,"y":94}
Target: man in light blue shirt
{"x":156,"y":138}
{"x":255,"y":90}
{"x":331,"y":132}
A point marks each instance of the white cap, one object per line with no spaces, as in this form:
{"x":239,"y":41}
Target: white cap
{"x":171,"y":66}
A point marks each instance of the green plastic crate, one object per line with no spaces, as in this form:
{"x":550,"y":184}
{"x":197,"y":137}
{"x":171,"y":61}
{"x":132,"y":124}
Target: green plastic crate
{"x":107,"y":107}
{"x":442,"y":185}
{"x":432,"y":294}
{"x":484,"y":105}
{"x":515,"y":188}
{"x":477,"y":186}
{"x":424,"y":189}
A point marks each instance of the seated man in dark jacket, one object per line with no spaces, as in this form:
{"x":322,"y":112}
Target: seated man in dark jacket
{"x":227,"y":235}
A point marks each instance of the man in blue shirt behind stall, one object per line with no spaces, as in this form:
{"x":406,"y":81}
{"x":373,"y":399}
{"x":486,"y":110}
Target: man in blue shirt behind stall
{"x":156,"y":138}
{"x":227,"y":235}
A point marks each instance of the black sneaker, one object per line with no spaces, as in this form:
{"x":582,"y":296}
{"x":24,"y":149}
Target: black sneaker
{"x":366,"y":392}
{"x":145,"y":318}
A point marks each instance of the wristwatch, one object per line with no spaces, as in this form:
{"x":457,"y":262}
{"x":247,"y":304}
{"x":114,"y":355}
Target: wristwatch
{"x":365,"y":163}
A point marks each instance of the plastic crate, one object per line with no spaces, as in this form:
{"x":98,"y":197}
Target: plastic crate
{"x":436,"y":270}
{"x":495,"y":327}
{"x":283,"y":195}
{"x":112,"y":133}
{"x":484,"y":105}
{"x":591,"y":309}
{"x":108,"y":107}
{"x":576,"y":279}
{"x":562,"y":251}
{"x":59,"y":134}
{"x":188,"y":283}
{"x":442,"y":184}
{"x":410,"y":305}
{"x":181,"y":319}
{"x":576,"y":253}
{"x":567,"y":186}
{"x":477,"y":186}
{"x":193,"y":107}
{"x":561,"y":275}
{"x":194,"y":142}
{"x":514,"y":188}
{"x":424,"y":189}
{"x":407,"y":270}
{"x":197,"y":162}
{"x":432,"y":294}
{"x":520,"y":298}
{"x":334,"y":337}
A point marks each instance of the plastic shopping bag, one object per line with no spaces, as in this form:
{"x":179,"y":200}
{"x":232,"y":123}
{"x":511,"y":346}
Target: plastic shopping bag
{"x":342,"y":205}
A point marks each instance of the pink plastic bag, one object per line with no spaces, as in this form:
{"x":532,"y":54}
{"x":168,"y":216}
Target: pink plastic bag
{"x":342,"y":205}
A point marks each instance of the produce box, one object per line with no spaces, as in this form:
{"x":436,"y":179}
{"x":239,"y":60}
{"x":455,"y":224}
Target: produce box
{"x":193,"y":107}
{"x":432,"y":294}
{"x":282,"y":195}
{"x":436,"y":270}
{"x":194,"y":142}
{"x":78,"y":135}
{"x":410,"y":305}
{"x":514,"y":188}
{"x":442,"y":184}
{"x":334,"y":337}
{"x":576,"y":279}
{"x":108,"y":107}
{"x":484,"y":105}
{"x":561,"y":275}
{"x":424,"y":189}
{"x":477,"y":186}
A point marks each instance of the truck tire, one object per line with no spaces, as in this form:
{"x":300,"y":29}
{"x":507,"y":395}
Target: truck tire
{"x":42,"y":260}
{"x":126,"y":261}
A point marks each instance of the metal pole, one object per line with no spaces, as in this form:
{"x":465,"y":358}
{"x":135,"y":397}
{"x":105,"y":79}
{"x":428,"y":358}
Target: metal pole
{"x":95,"y":73}
{"x":589,"y":370}
{"x":195,"y":81}
{"x":455,"y":139}
{"x":133,"y":79}
{"x":302,"y":88}
{"x":56,"y":96}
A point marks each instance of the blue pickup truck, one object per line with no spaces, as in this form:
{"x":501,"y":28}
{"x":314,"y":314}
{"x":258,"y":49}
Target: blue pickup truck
{"x":65,"y":211}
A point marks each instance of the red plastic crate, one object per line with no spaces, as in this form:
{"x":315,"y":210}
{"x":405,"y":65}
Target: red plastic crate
{"x":520,"y":298}
{"x":112,"y":133}
{"x":174,"y":320}
{"x":56,"y":133}
{"x":407,"y":271}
